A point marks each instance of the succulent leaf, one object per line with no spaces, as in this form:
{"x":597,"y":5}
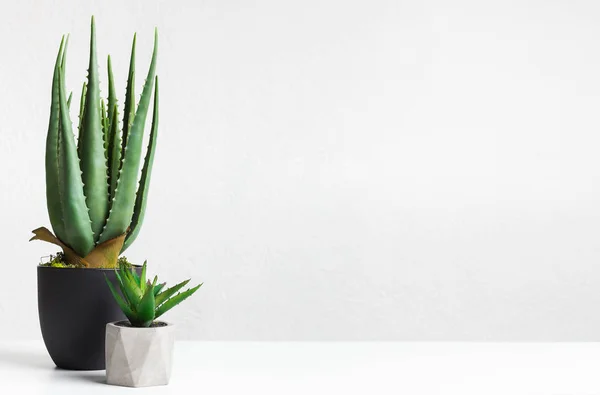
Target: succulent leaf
{"x":64,"y":55}
{"x":93,"y":161}
{"x":122,"y":207}
{"x":78,"y":232}
{"x":142,"y":193}
{"x":132,"y":277}
{"x":158,"y":287}
{"x":175,"y":300}
{"x":129,"y":288}
{"x":105,"y":129}
{"x":53,"y":199}
{"x":145,"y":310}
{"x":124,"y":306}
{"x":80,"y":125}
{"x":136,"y":276}
{"x":167,"y":293}
{"x":114,"y":153}
{"x":112,"y":95}
{"x":129,"y":104}
{"x":142,"y":279}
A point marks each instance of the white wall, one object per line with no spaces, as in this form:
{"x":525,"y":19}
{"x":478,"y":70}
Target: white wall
{"x":392,"y":170}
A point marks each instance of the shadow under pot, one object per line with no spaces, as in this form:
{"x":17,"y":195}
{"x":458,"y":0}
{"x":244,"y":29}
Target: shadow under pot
{"x":74,"y":307}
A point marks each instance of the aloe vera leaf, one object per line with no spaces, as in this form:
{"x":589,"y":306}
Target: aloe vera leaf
{"x":141,"y":198}
{"x":158,"y":288}
{"x":136,"y":277}
{"x":129,"y":288}
{"x":105,"y":130}
{"x":167,"y":293}
{"x":122,"y":304}
{"x":53,"y":199}
{"x":114,"y":153}
{"x":80,"y":124}
{"x":112,"y":95}
{"x":175,"y":300}
{"x":142,"y":279}
{"x":93,"y":161}
{"x":78,"y":230}
{"x":145,"y":311}
{"x":129,"y":104}
{"x":121,"y":211}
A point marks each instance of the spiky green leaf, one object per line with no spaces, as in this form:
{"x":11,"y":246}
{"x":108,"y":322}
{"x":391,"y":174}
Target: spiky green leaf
{"x":141,"y":198}
{"x":136,"y":276}
{"x":174,"y":301}
{"x":142,"y":280}
{"x":81,"y":109}
{"x":114,"y":153}
{"x":53,"y":199}
{"x":105,"y":129}
{"x":129,"y":104}
{"x":145,"y":311}
{"x":122,"y":304}
{"x":129,"y":288}
{"x":112,"y":95}
{"x":167,"y":293}
{"x":93,"y":161}
{"x":122,"y":206}
{"x":79,"y":234}
{"x":158,"y":287}
{"x":131,"y":275}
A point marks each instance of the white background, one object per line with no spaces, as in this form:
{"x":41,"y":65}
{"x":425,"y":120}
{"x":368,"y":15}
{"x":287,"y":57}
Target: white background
{"x":338,"y":170}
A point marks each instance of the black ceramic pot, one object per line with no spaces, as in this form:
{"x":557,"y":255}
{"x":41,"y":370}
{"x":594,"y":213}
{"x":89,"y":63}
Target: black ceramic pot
{"x":74,"y":306}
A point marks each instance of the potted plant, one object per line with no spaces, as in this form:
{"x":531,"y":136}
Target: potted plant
{"x":96,"y":205}
{"x":139,"y":351}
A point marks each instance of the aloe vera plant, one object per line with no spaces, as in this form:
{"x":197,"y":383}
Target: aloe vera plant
{"x":96,"y":203}
{"x":144,"y":301}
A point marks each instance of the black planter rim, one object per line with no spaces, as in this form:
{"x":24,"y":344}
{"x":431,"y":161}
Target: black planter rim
{"x":81,"y":268}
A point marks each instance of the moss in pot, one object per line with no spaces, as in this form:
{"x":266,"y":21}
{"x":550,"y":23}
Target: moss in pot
{"x":139,"y":351}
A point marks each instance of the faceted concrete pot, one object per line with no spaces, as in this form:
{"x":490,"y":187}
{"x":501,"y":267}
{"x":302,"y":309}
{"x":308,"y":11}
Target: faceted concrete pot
{"x":139,"y":357}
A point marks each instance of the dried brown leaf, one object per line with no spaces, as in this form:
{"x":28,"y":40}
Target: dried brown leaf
{"x":71,"y":256}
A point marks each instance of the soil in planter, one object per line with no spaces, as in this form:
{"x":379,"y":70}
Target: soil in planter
{"x":127,"y":324}
{"x":58,"y":260}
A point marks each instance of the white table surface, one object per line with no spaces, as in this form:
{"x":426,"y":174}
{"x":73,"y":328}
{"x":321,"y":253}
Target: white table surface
{"x":284,"y":368}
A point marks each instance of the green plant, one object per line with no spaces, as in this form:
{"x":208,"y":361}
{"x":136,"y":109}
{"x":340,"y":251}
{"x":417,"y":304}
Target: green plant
{"x":95,"y":205}
{"x":144,"y":301}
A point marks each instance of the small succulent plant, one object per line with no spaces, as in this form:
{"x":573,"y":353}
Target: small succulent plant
{"x":95,"y":195}
{"x":144,"y":301}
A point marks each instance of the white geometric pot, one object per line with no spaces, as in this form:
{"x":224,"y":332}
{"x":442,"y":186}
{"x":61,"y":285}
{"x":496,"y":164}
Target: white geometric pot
{"x":139,"y":357}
